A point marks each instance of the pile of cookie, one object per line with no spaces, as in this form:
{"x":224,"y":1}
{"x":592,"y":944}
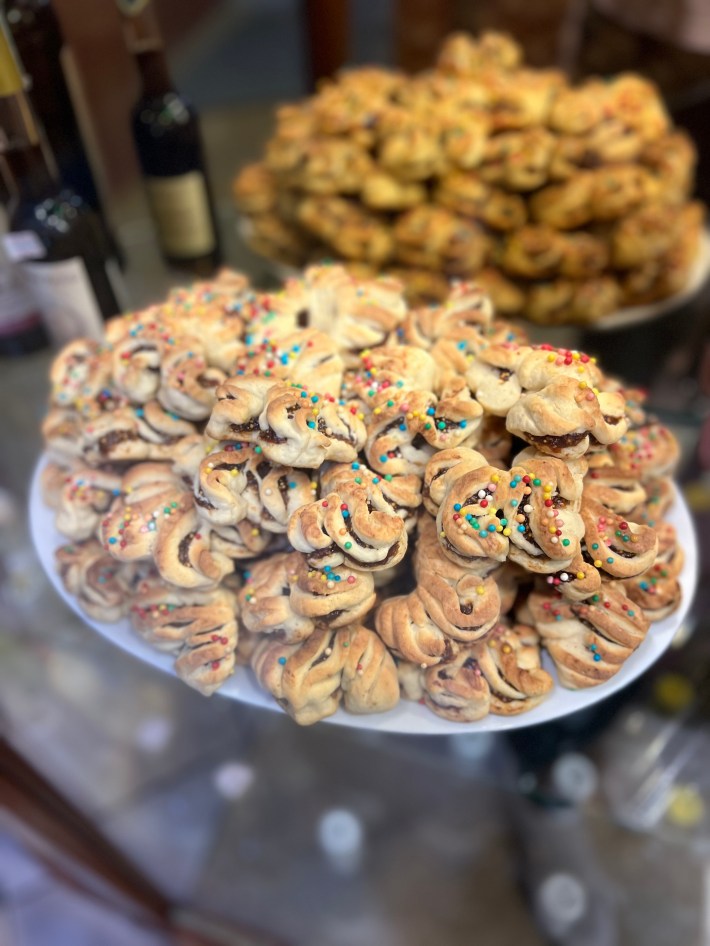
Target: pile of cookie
{"x":564,"y":202}
{"x":359,"y":499}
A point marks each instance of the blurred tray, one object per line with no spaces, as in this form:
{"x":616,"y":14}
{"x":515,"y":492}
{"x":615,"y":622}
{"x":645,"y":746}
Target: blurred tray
{"x":621,"y":319}
{"x":407,"y":717}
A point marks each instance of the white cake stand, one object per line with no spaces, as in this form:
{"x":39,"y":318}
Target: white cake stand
{"x":407,"y":717}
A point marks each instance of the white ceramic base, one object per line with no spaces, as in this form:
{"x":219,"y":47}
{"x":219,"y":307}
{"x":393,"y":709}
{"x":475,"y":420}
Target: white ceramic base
{"x":407,"y":717}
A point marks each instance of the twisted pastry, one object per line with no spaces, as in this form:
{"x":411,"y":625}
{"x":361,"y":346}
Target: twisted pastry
{"x":84,"y":498}
{"x":618,"y":489}
{"x":62,"y":430}
{"x":401,"y":493}
{"x":618,"y":547}
{"x":429,"y":556}
{"x":155,"y":518}
{"x":409,"y":632}
{"x":243,"y":540}
{"x":395,"y":443}
{"x":354,"y":524}
{"x":307,"y":357}
{"x":287,"y":599}
{"x":660,"y":494}
{"x":657,"y":591}
{"x":650,"y":451}
{"x":547,"y":527}
{"x":309,"y":679}
{"x":588,"y":641}
{"x":183,"y":552}
{"x":286,"y":423}
{"x":221,"y":483}
{"x":136,"y":362}
{"x":187,"y":456}
{"x":133,"y":434}
{"x":187,"y":382}
{"x":79,"y":373}
{"x":467,"y":312}
{"x":464,"y":610}
{"x":566,"y":416}
{"x":467,"y":518}
{"x":54,"y":478}
{"x":492,"y":377}
{"x":578,"y":580}
{"x":199,"y":627}
{"x":150,"y":494}
{"x":101,"y":585}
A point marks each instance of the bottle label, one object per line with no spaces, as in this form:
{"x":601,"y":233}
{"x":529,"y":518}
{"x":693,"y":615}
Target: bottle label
{"x":180,"y":206}
{"x":64,"y":296}
{"x":22,"y":245}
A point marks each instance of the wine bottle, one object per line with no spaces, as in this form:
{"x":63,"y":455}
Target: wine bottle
{"x":167,"y":138}
{"x":38,"y":39}
{"x":54,"y":236}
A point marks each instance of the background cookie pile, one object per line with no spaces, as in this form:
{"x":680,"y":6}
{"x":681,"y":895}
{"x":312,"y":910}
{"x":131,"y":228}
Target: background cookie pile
{"x":359,"y":498}
{"x":565,"y":202}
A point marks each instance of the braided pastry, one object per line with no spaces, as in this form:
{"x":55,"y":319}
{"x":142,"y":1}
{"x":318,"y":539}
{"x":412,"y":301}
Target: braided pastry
{"x":285,"y":423}
{"x":307,"y":357}
{"x":101,"y":585}
{"x":401,"y":493}
{"x":660,"y":495}
{"x":657,"y":591}
{"x":187,"y":382}
{"x":650,"y":451}
{"x":133,"y":434}
{"x":546,"y":509}
{"x":354,"y":524}
{"x":84,"y":498}
{"x":562,"y":418}
{"x":286,"y":598}
{"x":309,"y":679}
{"x":469,"y":528}
{"x":409,"y":632}
{"x":588,"y":641}
{"x":618,"y":489}
{"x":618,"y":547}
{"x":79,"y":373}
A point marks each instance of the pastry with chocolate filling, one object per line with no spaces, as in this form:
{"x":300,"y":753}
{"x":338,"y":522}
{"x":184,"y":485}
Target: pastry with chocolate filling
{"x":589,"y":641}
{"x":354,"y":525}
{"x":402,"y":493}
{"x":650,"y":451}
{"x":131,"y":434}
{"x":566,"y":416}
{"x":79,"y":373}
{"x":187,"y":382}
{"x":657,"y":591}
{"x":493,"y":378}
{"x":288,"y":424}
{"x":306,"y":357}
{"x":614,"y":544}
{"x":541,"y":508}
{"x":101,"y":585}
{"x":309,"y":680}
{"x":286,"y":598}
{"x":469,"y":518}
{"x":618,"y":489}
{"x":83,"y":500}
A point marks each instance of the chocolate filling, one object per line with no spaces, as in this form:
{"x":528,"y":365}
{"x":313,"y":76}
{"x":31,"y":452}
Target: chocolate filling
{"x":324,"y":656}
{"x":566,"y":440}
{"x":184,"y":549}
{"x":114,"y":438}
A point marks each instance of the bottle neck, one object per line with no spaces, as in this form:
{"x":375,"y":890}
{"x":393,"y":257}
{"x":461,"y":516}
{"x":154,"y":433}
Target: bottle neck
{"x":155,"y":76}
{"x":28,"y":175}
{"x":28,"y":165}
